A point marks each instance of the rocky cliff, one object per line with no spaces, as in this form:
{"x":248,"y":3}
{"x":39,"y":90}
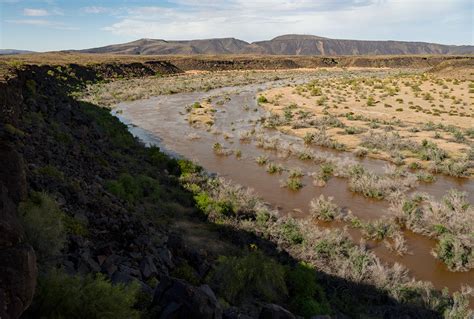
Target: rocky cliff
{"x":291,"y":44}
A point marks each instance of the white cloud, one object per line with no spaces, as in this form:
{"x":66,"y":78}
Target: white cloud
{"x":35,"y":12}
{"x":426,"y":20}
{"x":43,"y":23}
{"x":95,"y":10}
{"x":37,"y":22}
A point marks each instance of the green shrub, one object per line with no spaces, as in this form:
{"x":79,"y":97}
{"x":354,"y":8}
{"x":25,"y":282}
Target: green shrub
{"x":43,"y":223}
{"x":262,"y":99}
{"x":293,"y":183}
{"x":116,"y":131}
{"x":290,"y":231}
{"x":188,"y":168}
{"x":326,"y":171}
{"x":59,"y":295}
{"x":456,"y":252}
{"x":186,"y":272}
{"x":31,"y":86}
{"x":307,"y":298}
{"x":162,"y":161}
{"x":50,"y":171}
{"x":239,"y":278}
{"x":13,"y":130}
{"x":211,"y":207}
{"x":370,"y":101}
{"x":135,"y":188}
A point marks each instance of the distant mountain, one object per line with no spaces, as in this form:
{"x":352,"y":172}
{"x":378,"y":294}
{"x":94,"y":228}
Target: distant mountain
{"x":13,"y":51}
{"x":290,"y":44}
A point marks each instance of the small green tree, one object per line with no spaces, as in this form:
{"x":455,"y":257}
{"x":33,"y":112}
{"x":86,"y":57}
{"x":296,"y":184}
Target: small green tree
{"x":43,"y":223}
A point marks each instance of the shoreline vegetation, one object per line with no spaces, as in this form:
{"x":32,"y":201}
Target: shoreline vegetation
{"x":105,"y":190}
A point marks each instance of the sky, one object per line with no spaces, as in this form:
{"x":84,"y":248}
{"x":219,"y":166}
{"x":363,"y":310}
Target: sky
{"x":46,"y":25}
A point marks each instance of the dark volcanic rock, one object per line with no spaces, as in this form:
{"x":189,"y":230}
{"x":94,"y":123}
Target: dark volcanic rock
{"x":17,"y":260}
{"x":272,"y":311}
{"x":175,"y":298}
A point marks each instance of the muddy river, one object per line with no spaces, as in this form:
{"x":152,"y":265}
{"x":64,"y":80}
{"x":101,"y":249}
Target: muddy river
{"x":163,"y":121}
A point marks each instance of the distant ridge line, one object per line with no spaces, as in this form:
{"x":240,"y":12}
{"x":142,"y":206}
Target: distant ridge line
{"x":289,"y":44}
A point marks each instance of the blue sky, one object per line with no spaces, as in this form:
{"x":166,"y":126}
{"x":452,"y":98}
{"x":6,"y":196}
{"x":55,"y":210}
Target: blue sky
{"x":43,"y":25}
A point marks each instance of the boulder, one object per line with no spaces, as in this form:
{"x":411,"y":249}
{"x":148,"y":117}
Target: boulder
{"x":272,"y":311}
{"x":175,"y":298}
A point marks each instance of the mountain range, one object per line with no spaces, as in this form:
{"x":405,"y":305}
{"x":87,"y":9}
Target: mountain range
{"x":291,"y":44}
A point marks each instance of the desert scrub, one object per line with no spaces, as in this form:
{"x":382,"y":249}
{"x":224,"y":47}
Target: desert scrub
{"x":43,"y":222}
{"x":238,"y":278}
{"x":273,"y":168}
{"x":326,"y":170}
{"x":292,"y":183}
{"x":459,"y":168}
{"x":261,"y":160}
{"x":295,"y":173}
{"x":456,"y":251}
{"x":59,"y":295}
{"x":449,"y":221}
{"x":218,"y":149}
{"x":380,"y":186}
{"x":262,"y":99}
{"x":361,"y":151}
{"x":329,"y":251}
{"x":324,"y":209}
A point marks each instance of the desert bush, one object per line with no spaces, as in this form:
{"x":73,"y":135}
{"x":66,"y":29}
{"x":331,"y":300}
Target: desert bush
{"x":261,"y":160}
{"x":450,"y":221}
{"x":295,"y":172}
{"x":370,"y":101}
{"x":273,"y":168}
{"x":307,"y":298}
{"x":293,"y":183}
{"x":456,"y":251}
{"x":59,"y":295}
{"x":290,"y":231}
{"x":215,"y":208}
{"x":387,"y":141}
{"x":221,"y":150}
{"x":454,"y":168}
{"x":326,"y":170}
{"x":429,"y":151}
{"x":186,"y":272}
{"x":380,"y":186}
{"x":249,"y":276}
{"x":425,"y":177}
{"x":361,"y":151}
{"x":43,"y":223}
{"x":324,"y":209}
{"x":262,"y":99}
{"x":308,"y":138}
{"x":133,"y":189}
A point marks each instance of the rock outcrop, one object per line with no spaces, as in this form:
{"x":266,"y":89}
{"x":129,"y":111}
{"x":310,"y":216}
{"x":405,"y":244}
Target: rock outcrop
{"x":17,"y":259}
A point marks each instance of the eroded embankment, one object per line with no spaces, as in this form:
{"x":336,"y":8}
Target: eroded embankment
{"x":92,"y":199}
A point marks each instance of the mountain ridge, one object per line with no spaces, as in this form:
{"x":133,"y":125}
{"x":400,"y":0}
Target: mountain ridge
{"x":288,"y":44}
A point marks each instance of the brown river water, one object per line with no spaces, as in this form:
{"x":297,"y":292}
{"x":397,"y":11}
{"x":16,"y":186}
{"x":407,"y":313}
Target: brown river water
{"x":163,"y":121}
